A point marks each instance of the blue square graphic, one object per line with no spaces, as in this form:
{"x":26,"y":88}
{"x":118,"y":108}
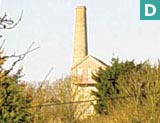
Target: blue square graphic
{"x":149,"y":9}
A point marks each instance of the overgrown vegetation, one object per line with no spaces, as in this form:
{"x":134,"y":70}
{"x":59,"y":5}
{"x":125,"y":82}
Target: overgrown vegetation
{"x":53,"y":102}
{"x":14,"y":103}
{"x":128,"y":92}
{"x":13,"y":100}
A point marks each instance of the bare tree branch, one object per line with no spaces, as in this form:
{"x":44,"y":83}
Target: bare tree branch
{"x":29,"y":50}
{"x":1,"y":46}
{"x":41,"y":84}
{"x":45,"y":78}
{"x":20,"y":57}
{"x":6,"y":23}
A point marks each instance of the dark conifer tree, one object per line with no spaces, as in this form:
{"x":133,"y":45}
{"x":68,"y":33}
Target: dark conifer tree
{"x":14,"y":105}
{"x":107,"y":85}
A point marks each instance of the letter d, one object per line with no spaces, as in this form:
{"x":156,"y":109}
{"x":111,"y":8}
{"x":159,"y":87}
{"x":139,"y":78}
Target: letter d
{"x":147,"y":6}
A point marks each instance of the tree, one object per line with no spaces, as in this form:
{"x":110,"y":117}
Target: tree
{"x":14,"y":104}
{"x":60,"y":97}
{"x":107,"y":84}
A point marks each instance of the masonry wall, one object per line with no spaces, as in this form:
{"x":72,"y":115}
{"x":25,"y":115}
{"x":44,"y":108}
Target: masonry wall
{"x":80,"y":35}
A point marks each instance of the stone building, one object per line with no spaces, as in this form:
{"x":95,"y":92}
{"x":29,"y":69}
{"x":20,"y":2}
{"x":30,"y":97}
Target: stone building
{"x":83,"y":63}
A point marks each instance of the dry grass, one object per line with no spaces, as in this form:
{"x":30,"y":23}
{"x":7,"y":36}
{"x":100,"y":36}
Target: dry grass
{"x":128,"y":110}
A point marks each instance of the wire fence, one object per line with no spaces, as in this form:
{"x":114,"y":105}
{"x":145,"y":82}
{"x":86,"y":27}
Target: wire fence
{"x":92,"y":100}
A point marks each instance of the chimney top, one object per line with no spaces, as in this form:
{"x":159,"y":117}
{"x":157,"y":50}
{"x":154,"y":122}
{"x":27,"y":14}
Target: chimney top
{"x":81,"y":7}
{"x":80,"y":35}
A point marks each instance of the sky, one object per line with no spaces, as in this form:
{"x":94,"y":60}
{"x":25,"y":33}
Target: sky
{"x":114,"y":29}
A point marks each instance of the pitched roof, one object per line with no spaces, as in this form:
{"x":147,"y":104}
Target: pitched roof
{"x":88,"y":56}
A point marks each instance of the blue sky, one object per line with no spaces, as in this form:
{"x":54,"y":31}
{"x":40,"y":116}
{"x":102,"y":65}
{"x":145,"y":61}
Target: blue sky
{"x":114,"y":28}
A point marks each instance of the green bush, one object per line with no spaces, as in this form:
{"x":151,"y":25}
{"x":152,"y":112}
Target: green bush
{"x":130,"y":92}
{"x":107,"y":84}
{"x":14,"y":105}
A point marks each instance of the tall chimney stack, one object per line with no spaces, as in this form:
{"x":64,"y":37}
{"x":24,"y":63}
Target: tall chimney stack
{"x":80,"y":36}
